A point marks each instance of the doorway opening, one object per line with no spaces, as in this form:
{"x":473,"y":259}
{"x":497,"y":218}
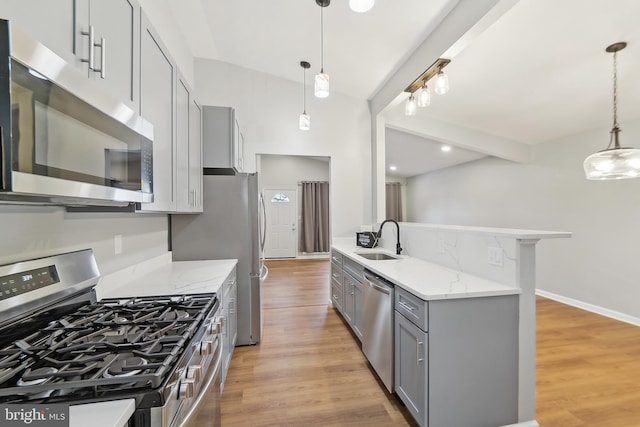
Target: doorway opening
{"x":290,"y":232}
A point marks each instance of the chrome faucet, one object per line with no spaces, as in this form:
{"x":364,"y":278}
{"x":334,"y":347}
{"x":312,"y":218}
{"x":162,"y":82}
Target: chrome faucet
{"x":379,"y":234}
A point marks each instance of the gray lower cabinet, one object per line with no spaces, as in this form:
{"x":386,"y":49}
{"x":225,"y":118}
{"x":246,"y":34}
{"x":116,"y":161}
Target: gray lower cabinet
{"x":337,"y":286}
{"x":228,"y":315}
{"x":456,"y":360}
{"x":346,"y":290}
{"x":410,"y":370}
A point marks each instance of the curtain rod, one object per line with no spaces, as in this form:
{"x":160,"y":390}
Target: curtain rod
{"x":312,"y":182}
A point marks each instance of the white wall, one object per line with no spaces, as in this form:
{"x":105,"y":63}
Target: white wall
{"x":268,"y":108}
{"x":599,"y":264}
{"x":35,"y":231}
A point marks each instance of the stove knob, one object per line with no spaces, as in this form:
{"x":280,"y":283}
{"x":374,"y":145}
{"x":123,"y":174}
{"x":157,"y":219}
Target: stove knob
{"x":206,"y":347}
{"x":216,"y":326}
{"x":187,"y":388}
{"x":194,"y":373}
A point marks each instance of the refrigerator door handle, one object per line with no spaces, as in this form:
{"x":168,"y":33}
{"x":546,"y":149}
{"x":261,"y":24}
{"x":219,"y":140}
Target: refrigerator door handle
{"x":264,"y":272}
{"x":262,"y":222}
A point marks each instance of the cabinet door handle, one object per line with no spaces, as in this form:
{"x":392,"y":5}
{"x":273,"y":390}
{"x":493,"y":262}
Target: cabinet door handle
{"x":406,"y":306}
{"x":418,"y":344}
{"x":92,"y":37}
{"x":103,"y":57}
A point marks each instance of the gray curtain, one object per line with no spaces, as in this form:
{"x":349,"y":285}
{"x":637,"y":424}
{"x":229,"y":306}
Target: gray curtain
{"x":314,"y":226}
{"x":394,"y":200}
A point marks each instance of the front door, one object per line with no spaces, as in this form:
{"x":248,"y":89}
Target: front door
{"x":281,"y":207}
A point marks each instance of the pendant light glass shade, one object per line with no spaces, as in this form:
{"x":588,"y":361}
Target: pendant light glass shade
{"x":361,"y":6}
{"x":442,"y":83}
{"x":305,"y":121}
{"x":321,"y":86}
{"x":424,"y":96}
{"x":614,"y":162}
{"x":410,"y":106}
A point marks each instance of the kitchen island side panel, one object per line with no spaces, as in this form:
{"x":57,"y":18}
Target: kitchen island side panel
{"x":473,"y":362}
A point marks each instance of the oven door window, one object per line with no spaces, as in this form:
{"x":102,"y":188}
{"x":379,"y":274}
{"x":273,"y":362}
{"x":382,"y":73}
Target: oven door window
{"x":58,"y":135}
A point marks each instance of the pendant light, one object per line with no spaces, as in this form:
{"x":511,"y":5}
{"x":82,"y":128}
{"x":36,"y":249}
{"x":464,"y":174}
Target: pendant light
{"x":442,"y":83}
{"x":410,"y":106}
{"x":614,"y":162}
{"x":305,"y":120}
{"x":361,"y":6}
{"x":424,"y":95}
{"x":321,"y":87}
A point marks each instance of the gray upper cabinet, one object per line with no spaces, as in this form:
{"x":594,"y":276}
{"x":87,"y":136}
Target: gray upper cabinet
{"x":51,"y":22}
{"x":195,"y":156}
{"x":183,"y":195}
{"x":116,"y":41}
{"x":223,"y":139}
{"x":157,"y":92}
{"x":66,"y":26}
{"x":188,"y":150}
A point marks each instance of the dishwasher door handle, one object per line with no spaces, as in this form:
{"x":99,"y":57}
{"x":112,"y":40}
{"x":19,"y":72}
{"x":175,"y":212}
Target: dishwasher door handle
{"x":370,"y":280}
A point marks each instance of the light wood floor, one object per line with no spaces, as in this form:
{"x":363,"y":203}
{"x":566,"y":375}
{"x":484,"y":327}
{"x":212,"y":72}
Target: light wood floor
{"x":309,"y":371}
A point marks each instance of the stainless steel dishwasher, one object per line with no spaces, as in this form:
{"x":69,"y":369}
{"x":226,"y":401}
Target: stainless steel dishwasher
{"x":377,"y":326}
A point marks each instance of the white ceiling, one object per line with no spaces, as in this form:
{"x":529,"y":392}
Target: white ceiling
{"x":538,"y":73}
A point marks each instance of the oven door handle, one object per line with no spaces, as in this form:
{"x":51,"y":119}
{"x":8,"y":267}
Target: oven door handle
{"x":211,"y":376}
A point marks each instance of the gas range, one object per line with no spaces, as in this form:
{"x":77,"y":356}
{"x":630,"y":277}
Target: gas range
{"x":163,"y":351}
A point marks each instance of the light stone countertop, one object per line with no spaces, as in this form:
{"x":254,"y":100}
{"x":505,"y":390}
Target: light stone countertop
{"x":425,"y":280}
{"x":172,"y":278}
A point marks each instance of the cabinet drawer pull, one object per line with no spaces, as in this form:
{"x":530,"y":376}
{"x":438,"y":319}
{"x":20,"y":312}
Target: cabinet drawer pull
{"x":406,"y":306}
{"x":418,"y":344}
{"x":335,"y":275}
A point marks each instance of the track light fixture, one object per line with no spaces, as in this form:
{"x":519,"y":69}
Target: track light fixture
{"x":420,"y":88}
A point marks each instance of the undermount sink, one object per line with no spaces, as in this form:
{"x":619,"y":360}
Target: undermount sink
{"x":377,"y":256}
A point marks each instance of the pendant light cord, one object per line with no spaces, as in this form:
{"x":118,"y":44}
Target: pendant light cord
{"x":304,"y":90}
{"x":322,"y":39}
{"x":615,"y":90}
{"x":613,"y":139}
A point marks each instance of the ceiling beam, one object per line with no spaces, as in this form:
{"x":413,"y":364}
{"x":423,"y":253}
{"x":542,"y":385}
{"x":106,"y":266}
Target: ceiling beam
{"x":458,"y":136}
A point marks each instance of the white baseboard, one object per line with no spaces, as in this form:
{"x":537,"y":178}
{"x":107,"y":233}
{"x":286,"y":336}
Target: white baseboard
{"x":590,"y":307}
{"x":532,"y":423}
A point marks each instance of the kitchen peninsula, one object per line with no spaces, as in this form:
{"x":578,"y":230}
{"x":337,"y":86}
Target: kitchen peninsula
{"x":474,"y":284}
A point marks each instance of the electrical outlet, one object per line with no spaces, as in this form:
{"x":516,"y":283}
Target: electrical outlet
{"x":496,"y":256}
{"x":117,"y":244}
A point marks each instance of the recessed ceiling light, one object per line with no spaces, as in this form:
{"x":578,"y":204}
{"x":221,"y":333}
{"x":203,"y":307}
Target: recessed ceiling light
{"x":445,"y":148}
{"x":392,"y":168}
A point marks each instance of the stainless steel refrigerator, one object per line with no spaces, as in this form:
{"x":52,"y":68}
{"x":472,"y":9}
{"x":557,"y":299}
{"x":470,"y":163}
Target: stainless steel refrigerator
{"x":231,"y":226}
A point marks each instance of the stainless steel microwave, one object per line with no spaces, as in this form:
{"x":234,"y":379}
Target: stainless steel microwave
{"x":63,"y":140}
